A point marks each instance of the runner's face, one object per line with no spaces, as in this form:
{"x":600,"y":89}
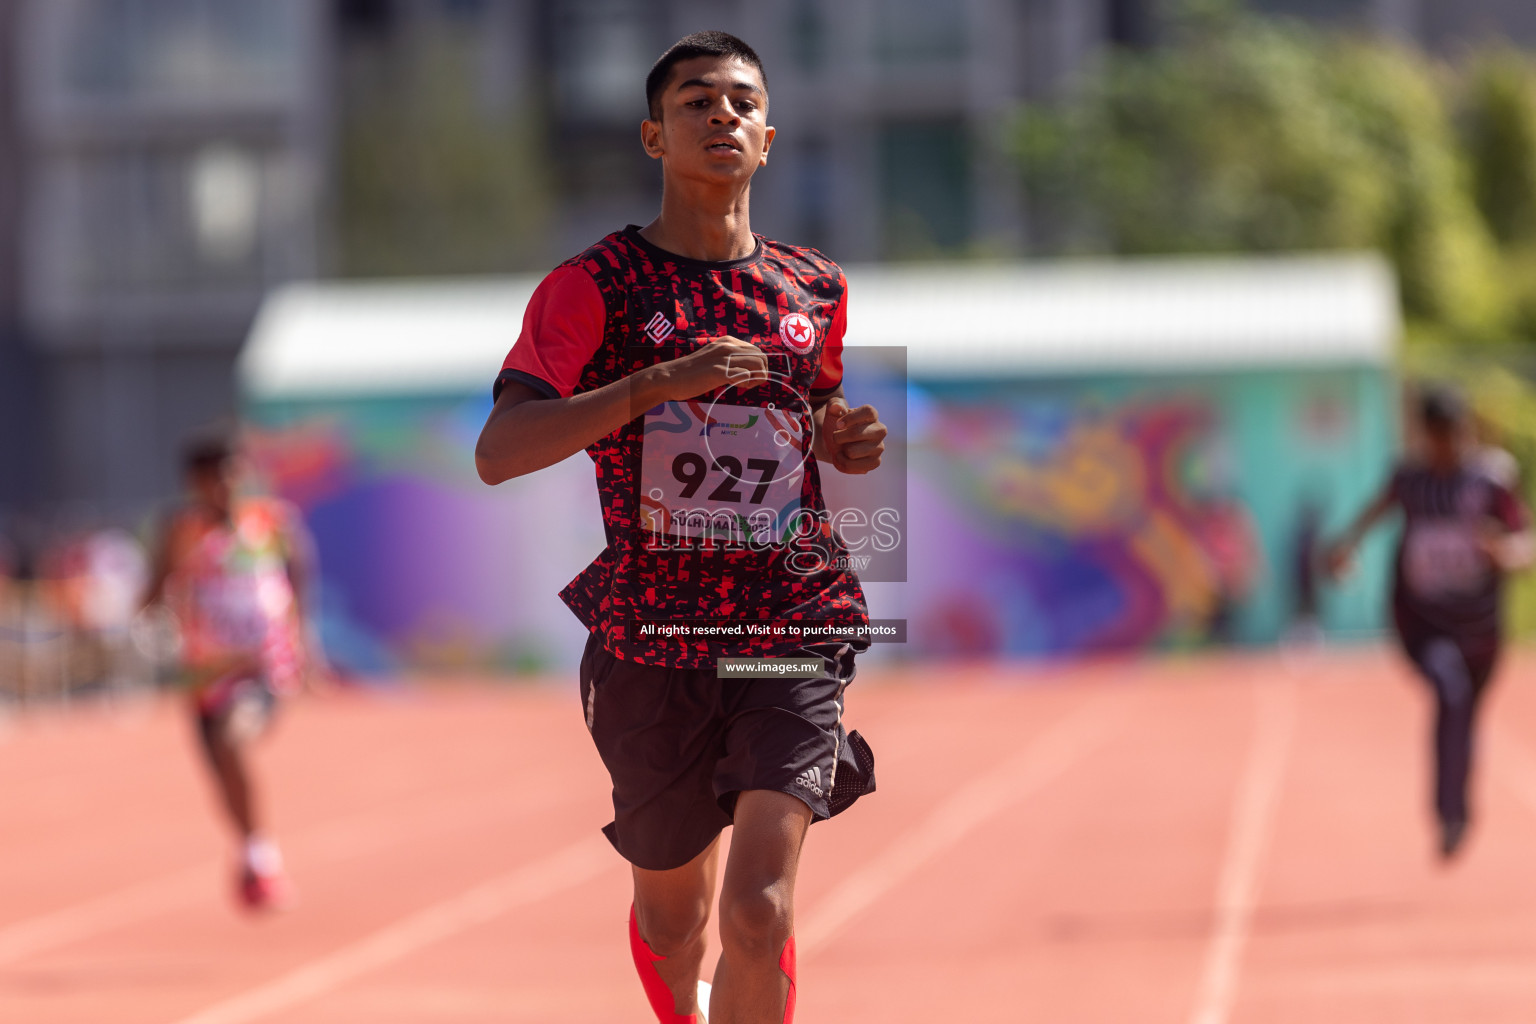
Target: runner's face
{"x":714,"y":121}
{"x":1443,"y":445}
{"x":215,"y":487}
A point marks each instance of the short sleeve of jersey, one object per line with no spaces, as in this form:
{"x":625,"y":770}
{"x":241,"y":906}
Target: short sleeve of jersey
{"x":1508,"y":509}
{"x":298,"y":542}
{"x":829,"y":376}
{"x":562,"y":327}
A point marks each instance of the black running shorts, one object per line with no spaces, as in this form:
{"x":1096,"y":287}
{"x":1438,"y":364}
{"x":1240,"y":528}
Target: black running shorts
{"x":253,"y":698}
{"x":1419,"y":634}
{"x":680,"y":744}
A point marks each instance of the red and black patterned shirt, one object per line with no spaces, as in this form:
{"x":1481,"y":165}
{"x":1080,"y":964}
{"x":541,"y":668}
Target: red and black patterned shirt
{"x":623,"y":305}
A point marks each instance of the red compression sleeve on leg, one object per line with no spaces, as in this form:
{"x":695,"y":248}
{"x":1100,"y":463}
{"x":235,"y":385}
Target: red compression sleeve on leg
{"x":787,"y":965}
{"x":656,"y":990}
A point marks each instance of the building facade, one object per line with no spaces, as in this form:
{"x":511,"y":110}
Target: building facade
{"x":165,"y":167}
{"x":163,"y":163}
{"x":1443,"y":26}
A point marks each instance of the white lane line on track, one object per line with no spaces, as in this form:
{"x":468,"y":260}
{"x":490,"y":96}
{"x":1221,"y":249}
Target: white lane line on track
{"x":1253,"y":814}
{"x":564,"y":869}
{"x":61,"y":927}
{"x":1027,"y":772}
{"x":332,"y":841}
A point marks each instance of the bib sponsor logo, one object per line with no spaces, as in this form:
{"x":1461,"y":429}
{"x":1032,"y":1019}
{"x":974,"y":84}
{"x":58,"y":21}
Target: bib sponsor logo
{"x":728,"y":428}
{"x":798,"y":332}
{"x":659,"y":329}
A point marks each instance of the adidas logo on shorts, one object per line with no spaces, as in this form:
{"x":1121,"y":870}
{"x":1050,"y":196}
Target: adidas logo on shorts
{"x":811,"y":780}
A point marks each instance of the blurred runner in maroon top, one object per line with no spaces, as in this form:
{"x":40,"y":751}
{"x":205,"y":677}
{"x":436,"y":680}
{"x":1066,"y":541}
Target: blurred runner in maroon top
{"x":1463,"y":530}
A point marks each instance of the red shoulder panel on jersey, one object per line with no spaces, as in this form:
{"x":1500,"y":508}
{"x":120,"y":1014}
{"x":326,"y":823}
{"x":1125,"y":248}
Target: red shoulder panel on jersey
{"x":562,"y":327}
{"x":1509,"y":509}
{"x":830,"y":376}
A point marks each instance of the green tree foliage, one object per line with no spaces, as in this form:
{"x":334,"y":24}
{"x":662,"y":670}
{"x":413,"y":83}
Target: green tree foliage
{"x":1250,"y":134}
{"x":1203,"y":148}
{"x":1499,"y":124}
{"x":430,"y":178}
{"x":1500,"y":128}
{"x":1246,"y":134}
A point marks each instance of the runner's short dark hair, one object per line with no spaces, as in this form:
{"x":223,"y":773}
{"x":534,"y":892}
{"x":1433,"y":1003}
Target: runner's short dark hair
{"x":699,"y":44}
{"x":207,"y":450}
{"x":1441,"y":409}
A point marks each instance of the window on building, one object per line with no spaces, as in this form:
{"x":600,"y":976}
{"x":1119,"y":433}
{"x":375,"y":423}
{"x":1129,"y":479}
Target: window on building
{"x":807,"y":35}
{"x":919,"y":31}
{"x":1327,"y":10}
{"x":366,"y":17}
{"x":925,"y":178}
{"x":813,"y":187}
{"x":1130,"y":23}
{"x":468,"y":10}
{"x":601,"y":55}
{"x":163,"y":219}
{"x":180,"y":50}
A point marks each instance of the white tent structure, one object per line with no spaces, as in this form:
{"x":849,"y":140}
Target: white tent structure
{"x":955,"y":320}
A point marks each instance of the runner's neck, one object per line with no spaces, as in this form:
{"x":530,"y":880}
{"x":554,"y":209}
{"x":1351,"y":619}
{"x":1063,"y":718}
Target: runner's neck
{"x":704,"y":225}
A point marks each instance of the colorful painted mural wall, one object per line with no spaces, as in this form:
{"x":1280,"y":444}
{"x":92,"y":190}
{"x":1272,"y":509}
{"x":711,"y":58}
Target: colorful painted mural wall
{"x":1043,"y":517}
{"x":1107,"y":514}
{"x":422,"y":565}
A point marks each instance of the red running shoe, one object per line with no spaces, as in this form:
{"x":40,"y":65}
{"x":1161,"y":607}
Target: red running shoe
{"x":263,"y":892}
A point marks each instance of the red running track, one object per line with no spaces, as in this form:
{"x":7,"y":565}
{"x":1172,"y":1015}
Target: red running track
{"x":1196,"y":841}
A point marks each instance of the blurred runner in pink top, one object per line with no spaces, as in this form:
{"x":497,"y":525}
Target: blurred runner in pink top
{"x":234,"y":570}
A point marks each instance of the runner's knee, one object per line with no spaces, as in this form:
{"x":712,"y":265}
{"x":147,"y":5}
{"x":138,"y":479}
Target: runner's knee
{"x":220,"y":751}
{"x":755,"y":919}
{"x":1447,"y":667}
{"x":670,"y":929}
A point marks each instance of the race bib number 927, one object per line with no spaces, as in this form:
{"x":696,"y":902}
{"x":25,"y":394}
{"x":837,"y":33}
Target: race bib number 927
{"x":732,"y":473}
{"x":1442,"y":559}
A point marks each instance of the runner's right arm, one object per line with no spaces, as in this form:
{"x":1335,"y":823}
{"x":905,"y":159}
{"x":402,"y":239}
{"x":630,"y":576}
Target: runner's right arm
{"x":300,"y":563}
{"x":538,"y":420}
{"x":1339,"y":555}
{"x":161,"y":563}
{"x":527,"y":431}
{"x":1508,"y":540}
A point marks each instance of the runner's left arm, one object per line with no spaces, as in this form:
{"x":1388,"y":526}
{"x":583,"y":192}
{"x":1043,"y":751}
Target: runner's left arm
{"x":851,"y":440}
{"x":1339,"y":555}
{"x":300,"y":561}
{"x":1509,"y":542}
{"x":161,"y":562}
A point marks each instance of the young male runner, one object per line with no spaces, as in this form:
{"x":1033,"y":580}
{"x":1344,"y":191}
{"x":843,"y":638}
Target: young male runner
{"x":1462,"y":532}
{"x":233,"y":571}
{"x":700,"y":366}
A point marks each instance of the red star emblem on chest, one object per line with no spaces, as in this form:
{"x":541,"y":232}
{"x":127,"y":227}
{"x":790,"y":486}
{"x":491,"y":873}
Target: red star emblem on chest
{"x":798,"y":332}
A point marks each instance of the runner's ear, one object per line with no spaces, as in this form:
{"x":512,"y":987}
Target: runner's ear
{"x":650,"y":138}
